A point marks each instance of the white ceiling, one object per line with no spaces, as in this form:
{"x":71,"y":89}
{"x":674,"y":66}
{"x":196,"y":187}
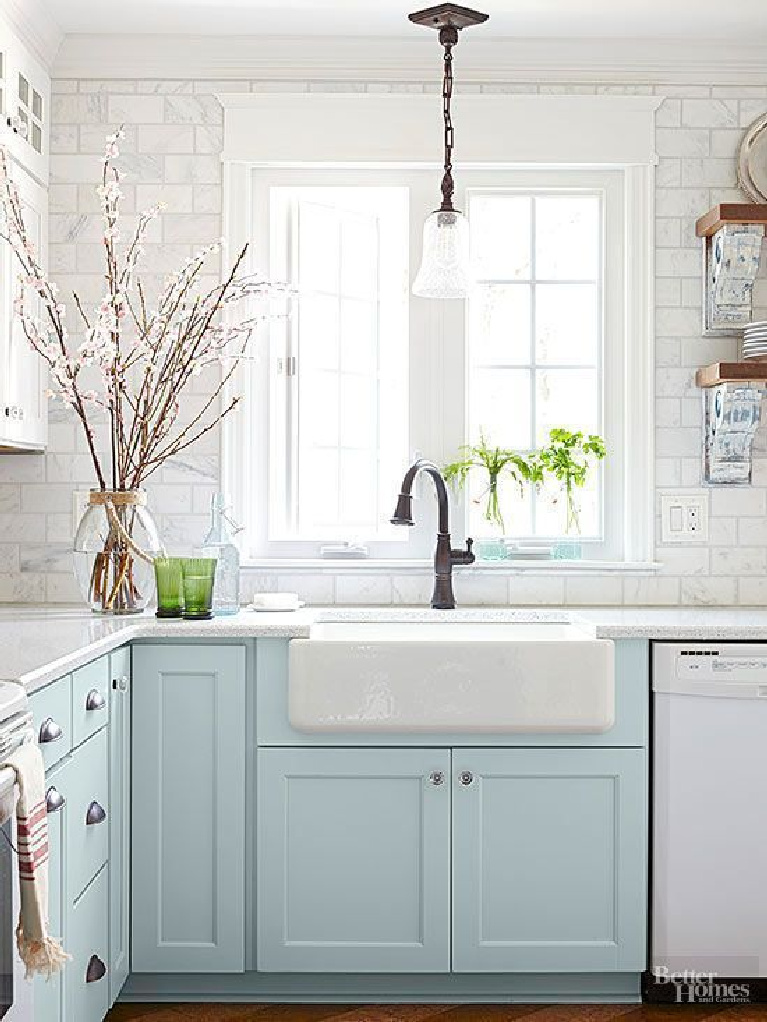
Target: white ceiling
{"x":732,"y":21}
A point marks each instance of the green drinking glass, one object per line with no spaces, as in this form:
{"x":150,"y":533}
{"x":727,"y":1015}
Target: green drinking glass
{"x":170,"y":590}
{"x":198,"y":576}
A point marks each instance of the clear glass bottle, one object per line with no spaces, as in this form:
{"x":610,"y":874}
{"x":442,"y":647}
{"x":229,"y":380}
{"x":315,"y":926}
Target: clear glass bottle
{"x":219,"y":543}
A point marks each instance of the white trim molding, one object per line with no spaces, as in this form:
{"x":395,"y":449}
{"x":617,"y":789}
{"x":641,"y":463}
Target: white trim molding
{"x":399,"y":566}
{"x":34,"y":26}
{"x":350,"y":129}
{"x":277,"y":58}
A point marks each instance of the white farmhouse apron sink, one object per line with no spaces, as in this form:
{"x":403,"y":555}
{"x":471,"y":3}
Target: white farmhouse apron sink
{"x":451,"y":676}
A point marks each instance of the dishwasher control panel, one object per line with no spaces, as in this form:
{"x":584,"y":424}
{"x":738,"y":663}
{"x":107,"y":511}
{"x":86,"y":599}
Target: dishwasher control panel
{"x":710,"y":669}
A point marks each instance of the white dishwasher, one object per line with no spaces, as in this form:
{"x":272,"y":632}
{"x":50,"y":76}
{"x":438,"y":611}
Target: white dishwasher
{"x":709,"y":867}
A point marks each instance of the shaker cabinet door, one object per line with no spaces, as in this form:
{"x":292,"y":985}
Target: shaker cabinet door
{"x":549,"y":860}
{"x":188,"y":808}
{"x":353,"y":860}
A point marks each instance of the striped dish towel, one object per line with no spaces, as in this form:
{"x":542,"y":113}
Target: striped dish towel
{"x":39,"y":952}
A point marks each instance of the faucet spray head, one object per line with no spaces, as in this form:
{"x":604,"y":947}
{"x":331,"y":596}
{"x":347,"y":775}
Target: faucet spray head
{"x":403,"y":513}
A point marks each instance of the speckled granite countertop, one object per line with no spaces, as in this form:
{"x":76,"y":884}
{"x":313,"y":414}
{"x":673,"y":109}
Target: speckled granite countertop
{"x":39,"y":644}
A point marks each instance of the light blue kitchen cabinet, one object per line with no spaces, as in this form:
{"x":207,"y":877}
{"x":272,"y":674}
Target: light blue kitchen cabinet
{"x":119,"y":819}
{"x":353,"y":860}
{"x":79,"y":807}
{"x":188,"y":808}
{"x":549,"y":860}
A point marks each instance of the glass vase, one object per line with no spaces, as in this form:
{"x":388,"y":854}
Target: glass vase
{"x":570,"y":548}
{"x":114,"y":550}
{"x":491,"y":548}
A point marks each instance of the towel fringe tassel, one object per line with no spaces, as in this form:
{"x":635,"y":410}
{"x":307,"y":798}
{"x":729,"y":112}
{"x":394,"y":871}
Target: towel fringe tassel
{"x":40,"y":957}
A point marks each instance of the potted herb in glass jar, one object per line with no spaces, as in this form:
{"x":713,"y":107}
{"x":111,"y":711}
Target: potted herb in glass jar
{"x":569,"y":458}
{"x":494,"y":463}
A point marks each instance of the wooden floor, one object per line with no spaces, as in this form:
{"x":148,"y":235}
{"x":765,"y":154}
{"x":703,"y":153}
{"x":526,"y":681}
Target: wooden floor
{"x":432,"y":1012}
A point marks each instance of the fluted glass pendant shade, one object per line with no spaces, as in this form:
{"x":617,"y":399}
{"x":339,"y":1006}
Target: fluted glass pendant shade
{"x":446,"y":263}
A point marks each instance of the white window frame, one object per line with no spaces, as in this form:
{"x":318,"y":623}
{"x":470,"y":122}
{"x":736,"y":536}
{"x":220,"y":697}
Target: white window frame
{"x":610,"y":183}
{"x":351,"y":133}
{"x":387,"y":208}
{"x":255,"y":377}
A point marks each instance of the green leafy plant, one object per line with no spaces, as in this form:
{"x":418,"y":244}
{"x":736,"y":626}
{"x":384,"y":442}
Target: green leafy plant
{"x":568,"y":457}
{"x":494,"y":462}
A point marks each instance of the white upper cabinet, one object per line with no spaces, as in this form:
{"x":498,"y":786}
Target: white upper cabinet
{"x":26,"y":101}
{"x":24,"y":134}
{"x":23,"y":378}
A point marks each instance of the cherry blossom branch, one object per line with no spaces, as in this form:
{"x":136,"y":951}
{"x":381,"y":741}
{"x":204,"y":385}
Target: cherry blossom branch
{"x":146,"y":357}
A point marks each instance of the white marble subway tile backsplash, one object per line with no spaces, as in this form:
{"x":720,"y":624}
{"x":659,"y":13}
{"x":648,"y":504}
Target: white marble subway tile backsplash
{"x":172,"y":151}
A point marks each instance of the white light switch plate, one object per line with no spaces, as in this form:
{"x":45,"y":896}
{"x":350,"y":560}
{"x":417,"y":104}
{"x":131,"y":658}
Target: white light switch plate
{"x":684,"y":517}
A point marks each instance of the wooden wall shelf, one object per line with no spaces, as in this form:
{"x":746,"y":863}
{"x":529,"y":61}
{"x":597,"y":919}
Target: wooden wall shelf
{"x":730,"y":213}
{"x":732,"y":372}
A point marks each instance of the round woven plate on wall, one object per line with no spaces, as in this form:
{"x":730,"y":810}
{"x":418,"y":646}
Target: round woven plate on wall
{"x":752,"y":161}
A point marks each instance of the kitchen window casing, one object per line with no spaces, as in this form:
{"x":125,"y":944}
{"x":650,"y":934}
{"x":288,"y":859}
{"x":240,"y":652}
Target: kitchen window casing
{"x":424,"y":397}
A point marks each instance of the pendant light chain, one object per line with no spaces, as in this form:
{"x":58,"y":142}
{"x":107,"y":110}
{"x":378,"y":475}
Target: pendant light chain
{"x":446,"y":270}
{"x":448,"y":37}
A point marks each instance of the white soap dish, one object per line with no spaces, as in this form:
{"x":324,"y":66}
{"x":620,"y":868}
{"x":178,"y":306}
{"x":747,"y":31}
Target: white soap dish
{"x":275,"y":603}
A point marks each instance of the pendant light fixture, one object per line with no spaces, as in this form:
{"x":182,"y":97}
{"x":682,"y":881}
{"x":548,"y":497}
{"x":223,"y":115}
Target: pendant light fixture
{"x":446,"y":261}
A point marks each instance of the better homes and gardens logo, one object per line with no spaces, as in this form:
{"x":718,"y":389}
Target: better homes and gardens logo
{"x":692,"y":987}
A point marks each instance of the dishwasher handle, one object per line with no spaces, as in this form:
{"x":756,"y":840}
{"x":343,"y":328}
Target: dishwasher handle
{"x":753,"y":690}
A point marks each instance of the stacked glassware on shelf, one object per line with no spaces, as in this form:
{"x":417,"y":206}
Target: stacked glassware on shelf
{"x":755,"y":340}
{"x":732,"y":413}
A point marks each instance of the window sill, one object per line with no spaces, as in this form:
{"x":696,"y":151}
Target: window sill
{"x":365,"y":566}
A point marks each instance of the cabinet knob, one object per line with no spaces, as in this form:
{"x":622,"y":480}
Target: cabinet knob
{"x":120,"y":684}
{"x":95,"y":814}
{"x":96,"y":970}
{"x":95,"y":700}
{"x":466,"y":777}
{"x":50,"y":731}
{"x":54,"y":800}
{"x":436,"y":777}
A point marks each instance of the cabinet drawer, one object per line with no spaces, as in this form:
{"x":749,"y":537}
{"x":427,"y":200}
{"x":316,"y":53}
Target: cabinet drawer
{"x":87,"y":841}
{"x":49,"y":992}
{"x":58,"y":786}
{"x":87,"y":983}
{"x":52,"y":710}
{"x":90,"y":699}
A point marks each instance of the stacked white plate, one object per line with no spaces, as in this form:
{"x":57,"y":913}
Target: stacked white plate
{"x":755,"y":340}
